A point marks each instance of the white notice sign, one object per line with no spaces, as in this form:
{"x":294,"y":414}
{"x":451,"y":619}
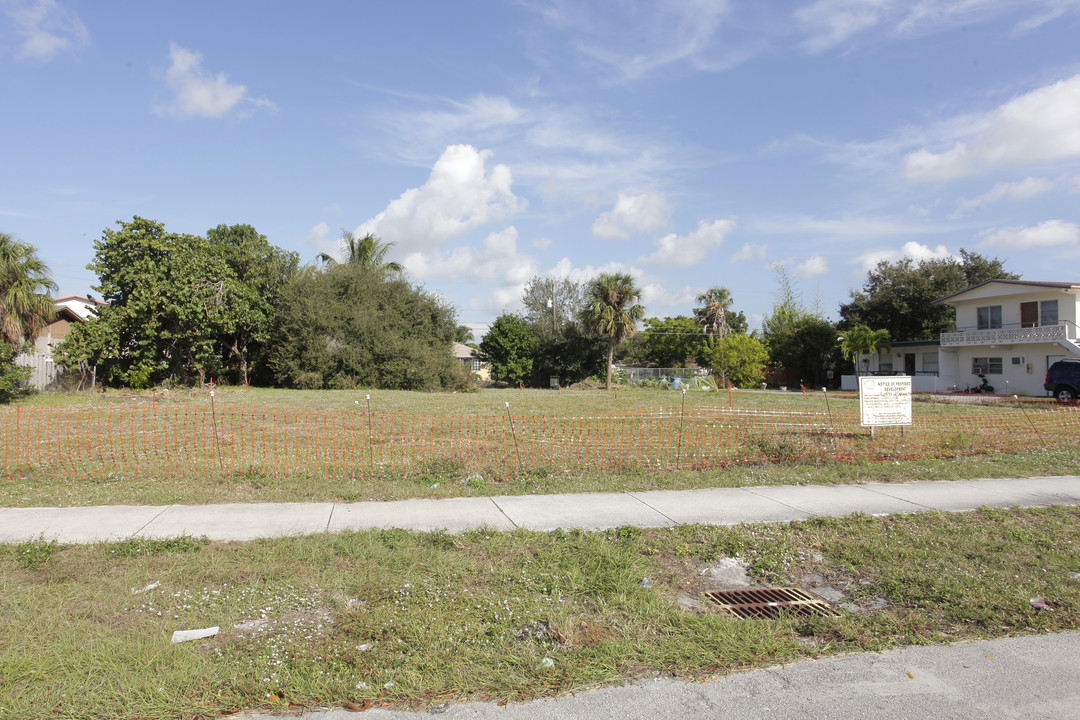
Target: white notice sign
{"x":885,"y":400}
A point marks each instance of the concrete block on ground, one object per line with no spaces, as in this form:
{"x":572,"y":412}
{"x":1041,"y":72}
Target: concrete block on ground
{"x":75,"y":524}
{"x":240,"y":521}
{"x":452,"y":514}
{"x":588,"y":511}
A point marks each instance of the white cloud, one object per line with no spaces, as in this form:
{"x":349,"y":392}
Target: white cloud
{"x":675,"y":251}
{"x":748,"y":251}
{"x":828,"y":24}
{"x":1020,"y":190}
{"x":644,"y":37}
{"x":46,"y":28}
{"x":654,"y":295}
{"x":633,"y":214}
{"x":460,"y":194}
{"x":542,"y":244}
{"x":198,"y":93}
{"x":916,"y":251}
{"x":811,"y":266}
{"x":318,"y":238}
{"x":1052,"y":233}
{"x":1042,"y":126}
{"x":565,"y":270}
{"x":498,"y":259}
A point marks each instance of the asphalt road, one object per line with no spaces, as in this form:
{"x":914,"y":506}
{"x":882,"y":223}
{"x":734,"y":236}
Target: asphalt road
{"x":1025,"y":677}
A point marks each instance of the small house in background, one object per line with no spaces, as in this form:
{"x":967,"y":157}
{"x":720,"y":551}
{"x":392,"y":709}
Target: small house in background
{"x":472,"y":363}
{"x":70,"y":310}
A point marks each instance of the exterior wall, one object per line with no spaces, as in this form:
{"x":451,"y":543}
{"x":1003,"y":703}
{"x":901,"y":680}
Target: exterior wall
{"x":1009,"y":297}
{"x":51,"y":336}
{"x":1024,"y":377}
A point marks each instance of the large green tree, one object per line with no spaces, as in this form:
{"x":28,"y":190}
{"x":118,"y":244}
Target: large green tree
{"x":166,"y":296}
{"x":671,"y":342}
{"x":368,"y":252}
{"x":897,"y":295}
{"x":351,"y":326}
{"x":25,"y":304}
{"x":612,"y":311}
{"x":552,"y":304}
{"x":564,"y":349}
{"x":738,"y":358}
{"x":801,"y":343}
{"x":510,"y":348}
{"x":258,"y":272}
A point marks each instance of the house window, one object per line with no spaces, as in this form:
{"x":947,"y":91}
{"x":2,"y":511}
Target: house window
{"x":986,"y":366}
{"x":929,"y":362}
{"x":989,"y":317}
{"x":1048,"y":312}
{"x":476,"y":365}
{"x":884,"y":363}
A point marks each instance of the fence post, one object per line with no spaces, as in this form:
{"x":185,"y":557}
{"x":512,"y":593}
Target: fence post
{"x":513,"y":433}
{"x":682,"y":413}
{"x":370,"y":438}
{"x":217,"y":447}
{"x":1039,"y":434}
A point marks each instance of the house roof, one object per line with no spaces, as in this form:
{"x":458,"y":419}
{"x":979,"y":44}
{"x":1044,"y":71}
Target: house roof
{"x":1051,"y":285}
{"x":462,"y":351}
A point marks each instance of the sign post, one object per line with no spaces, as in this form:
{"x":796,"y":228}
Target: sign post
{"x":884,"y":401}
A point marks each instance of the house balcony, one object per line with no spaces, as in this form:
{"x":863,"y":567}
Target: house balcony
{"x":1063,"y":332}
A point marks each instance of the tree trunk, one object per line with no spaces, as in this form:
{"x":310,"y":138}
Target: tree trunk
{"x":610,"y":359}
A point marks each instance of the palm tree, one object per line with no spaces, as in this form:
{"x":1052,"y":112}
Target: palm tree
{"x":367,"y":251}
{"x":861,"y":339}
{"x":612,"y":311}
{"x":25,"y":306}
{"x":713,"y":315}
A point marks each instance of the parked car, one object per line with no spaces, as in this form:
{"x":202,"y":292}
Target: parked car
{"x":1063,"y":380}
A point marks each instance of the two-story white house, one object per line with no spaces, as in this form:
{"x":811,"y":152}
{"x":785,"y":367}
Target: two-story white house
{"x":1011,"y":331}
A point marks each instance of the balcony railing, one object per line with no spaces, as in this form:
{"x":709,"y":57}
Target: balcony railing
{"x":1011,"y":335}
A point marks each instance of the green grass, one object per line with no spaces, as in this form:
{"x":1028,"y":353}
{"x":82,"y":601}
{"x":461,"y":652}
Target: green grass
{"x":418,"y":619}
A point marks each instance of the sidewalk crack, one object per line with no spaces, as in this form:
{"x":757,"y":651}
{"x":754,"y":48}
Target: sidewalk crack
{"x":333,"y":507}
{"x":151,"y":521}
{"x":882,"y":492}
{"x":508,"y":518}
{"x":672,"y":520}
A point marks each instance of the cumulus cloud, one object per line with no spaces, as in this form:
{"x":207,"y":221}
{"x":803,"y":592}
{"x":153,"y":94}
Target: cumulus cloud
{"x":496,"y":260}
{"x":318,"y":237}
{"x":633,"y":214}
{"x":1038,"y":127}
{"x":683,"y":251}
{"x":916,"y":251}
{"x":1052,"y":233}
{"x":748,"y":251}
{"x":811,"y":266}
{"x":460,"y":194}
{"x":1020,"y":190}
{"x":46,"y":28}
{"x":657,"y":295}
{"x":197,"y":93}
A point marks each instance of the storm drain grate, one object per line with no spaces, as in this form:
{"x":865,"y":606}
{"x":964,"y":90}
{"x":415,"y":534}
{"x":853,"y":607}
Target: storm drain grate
{"x":770,"y":602}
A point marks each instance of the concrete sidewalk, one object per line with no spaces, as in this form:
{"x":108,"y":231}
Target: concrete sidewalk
{"x":593,"y":511}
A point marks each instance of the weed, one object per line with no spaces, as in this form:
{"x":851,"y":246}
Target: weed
{"x":34,"y":553}
{"x":136,"y":546}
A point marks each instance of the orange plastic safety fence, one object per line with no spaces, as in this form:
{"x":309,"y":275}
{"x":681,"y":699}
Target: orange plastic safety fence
{"x":162,"y":439}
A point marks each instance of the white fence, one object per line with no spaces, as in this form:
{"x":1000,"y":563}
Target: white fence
{"x":44,"y":373}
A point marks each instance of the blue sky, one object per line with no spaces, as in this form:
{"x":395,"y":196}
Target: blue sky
{"x":689,"y":143}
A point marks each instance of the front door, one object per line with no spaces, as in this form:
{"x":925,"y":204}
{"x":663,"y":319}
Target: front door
{"x":1029,"y":314}
{"x":909,"y":363}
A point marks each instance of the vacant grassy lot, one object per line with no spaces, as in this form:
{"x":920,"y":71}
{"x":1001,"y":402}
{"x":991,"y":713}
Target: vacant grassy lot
{"x":420,"y":619}
{"x":258,"y":445}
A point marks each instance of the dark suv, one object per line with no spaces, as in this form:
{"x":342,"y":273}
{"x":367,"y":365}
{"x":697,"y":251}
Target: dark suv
{"x":1063,"y":380}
